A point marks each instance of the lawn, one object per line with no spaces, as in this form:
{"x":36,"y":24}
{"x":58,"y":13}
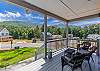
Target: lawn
{"x":14,"y":56}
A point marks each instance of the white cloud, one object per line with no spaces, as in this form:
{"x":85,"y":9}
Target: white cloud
{"x":9,"y":14}
{"x":28,"y":15}
{"x":57,"y":22}
{"x":18,"y":14}
{"x":2,"y":15}
{"x":93,"y":22}
{"x":84,"y":23}
{"x":38,"y":17}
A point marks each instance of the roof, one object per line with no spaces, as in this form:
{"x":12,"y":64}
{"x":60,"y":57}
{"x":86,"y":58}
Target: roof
{"x":48,"y":33}
{"x":1,"y":29}
{"x":66,"y":9}
{"x":93,"y":36}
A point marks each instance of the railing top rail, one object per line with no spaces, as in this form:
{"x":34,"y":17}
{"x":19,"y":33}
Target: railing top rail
{"x":62,"y":39}
{"x":54,"y":40}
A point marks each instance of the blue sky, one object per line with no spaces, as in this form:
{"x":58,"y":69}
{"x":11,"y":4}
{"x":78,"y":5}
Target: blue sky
{"x":11,"y":12}
{"x":86,"y":22}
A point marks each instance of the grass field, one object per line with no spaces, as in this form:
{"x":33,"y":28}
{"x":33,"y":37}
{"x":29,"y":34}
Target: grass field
{"x":14,"y":56}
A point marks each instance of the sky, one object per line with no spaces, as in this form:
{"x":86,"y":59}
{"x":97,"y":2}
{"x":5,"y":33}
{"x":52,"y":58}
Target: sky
{"x":12,"y":12}
{"x":86,"y":22}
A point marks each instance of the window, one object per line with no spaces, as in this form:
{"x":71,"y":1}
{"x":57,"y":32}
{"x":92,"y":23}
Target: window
{"x":6,"y":34}
{"x":2,"y":34}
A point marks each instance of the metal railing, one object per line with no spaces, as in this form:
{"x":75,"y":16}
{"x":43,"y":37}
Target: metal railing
{"x":74,"y":42}
{"x":57,"y":44}
{"x":39,"y":53}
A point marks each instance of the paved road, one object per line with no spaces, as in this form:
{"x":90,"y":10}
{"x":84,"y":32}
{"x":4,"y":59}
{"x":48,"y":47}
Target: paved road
{"x":21,"y":45}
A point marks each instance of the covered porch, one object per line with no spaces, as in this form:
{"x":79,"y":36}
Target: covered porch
{"x":66,"y":14}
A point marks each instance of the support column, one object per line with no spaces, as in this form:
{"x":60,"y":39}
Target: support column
{"x":66,"y":30}
{"x":99,"y":25}
{"x":45,"y":35}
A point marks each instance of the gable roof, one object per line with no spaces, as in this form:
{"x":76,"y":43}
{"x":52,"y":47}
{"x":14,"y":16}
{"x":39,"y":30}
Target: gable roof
{"x":1,"y":29}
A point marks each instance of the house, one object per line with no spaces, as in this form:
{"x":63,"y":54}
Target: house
{"x":4,"y":32}
{"x":56,"y":36}
{"x":93,"y":36}
{"x":49,"y":36}
{"x":70,"y":36}
{"x":4,"y":35}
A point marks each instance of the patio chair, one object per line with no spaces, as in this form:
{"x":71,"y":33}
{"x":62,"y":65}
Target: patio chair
{"x":69,"y":52}
{"x":74,"y":62}
{"x":86,"y":45}
{"x":88,"y":56}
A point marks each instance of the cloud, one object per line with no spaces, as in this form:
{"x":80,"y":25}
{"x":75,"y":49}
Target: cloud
{"x":28,"y":15}
{"x":93,"y":22}
{"x":84,"y":23}
{"x":38,"y":17}
{"x":8,"y":14}
{"x":56,"y":22}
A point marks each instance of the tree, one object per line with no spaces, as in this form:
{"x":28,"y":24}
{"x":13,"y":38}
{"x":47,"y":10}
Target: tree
{"x":37,"y":32}
{"x":31,"y":34}
{"x":42,"y":28}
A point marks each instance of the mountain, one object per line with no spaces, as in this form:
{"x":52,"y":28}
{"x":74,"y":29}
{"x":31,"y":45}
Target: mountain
{"x":19,"y":23}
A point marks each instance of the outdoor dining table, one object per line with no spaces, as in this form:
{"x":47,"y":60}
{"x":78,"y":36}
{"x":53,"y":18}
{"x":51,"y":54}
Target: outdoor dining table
{"x":83,"y":51}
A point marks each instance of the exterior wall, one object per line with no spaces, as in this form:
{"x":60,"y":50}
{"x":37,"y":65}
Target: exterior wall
{"x":4,"y":32}
{"x":6,"y":39}
{"x":0,"y":34}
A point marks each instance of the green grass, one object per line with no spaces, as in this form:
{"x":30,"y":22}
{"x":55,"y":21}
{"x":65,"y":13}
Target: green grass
{"x":12,"y":57}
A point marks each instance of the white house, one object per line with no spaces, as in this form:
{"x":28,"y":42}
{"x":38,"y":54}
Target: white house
{"x":4,"y":35}
{"x":4,"y":32}
{"x":49,"y":36}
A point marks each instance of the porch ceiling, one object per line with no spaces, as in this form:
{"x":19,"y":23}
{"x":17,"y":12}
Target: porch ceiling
{"x":68,"y":9}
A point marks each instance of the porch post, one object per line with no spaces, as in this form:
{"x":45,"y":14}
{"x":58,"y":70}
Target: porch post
{"x":45,"y":35}
{"x":66,"y":30}
{"x":99,"y":24}
{"x":98,"y":45}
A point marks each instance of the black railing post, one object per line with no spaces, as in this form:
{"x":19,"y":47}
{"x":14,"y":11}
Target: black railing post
{"x":66,"y":29}
{"x":45,"y":35}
